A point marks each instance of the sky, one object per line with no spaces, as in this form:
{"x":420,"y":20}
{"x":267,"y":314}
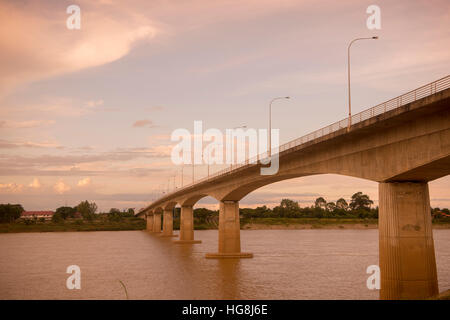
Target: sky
{"x":87,"y":114}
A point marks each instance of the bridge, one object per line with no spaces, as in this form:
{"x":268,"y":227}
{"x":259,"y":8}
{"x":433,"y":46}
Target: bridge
{"x":402,"y":144}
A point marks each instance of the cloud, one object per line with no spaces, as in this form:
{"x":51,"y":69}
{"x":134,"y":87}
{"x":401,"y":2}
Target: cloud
{"x":129,"y":172}
{"x":49,"y":107}
{"x":35,"y":184}
{"x":84,"y":182}
{"x":119,"y":155}
{"x":10,"y":188}
{"x":94,"y":103}
{"x":119,"y":162}
{"x":5,"y":144}
{"x":143,"y":123}
{"x":24,"y":124}
{"x":60,"y":187}
{"x":47,"y":48}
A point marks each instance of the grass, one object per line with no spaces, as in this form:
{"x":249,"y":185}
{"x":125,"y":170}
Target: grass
{"x":312,"y":221}
{"x":77,"y":225}
{"x":133,"y":223}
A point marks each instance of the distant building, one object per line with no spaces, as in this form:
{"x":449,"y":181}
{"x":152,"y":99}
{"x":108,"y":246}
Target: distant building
{"x":47,"y":215}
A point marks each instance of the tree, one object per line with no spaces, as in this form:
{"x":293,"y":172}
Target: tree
{"x":289,"y":205}
{"x":87,"y":210}
{"x":331,"y":206}
{"x":131,"y":211}
{"x":57,"y":217}
{"x":114,"y":214}
{"x":10,"y":212}
{"x":360,"y":201}
{"x":113,"y":211}
{"x":342,"y":204}
{"x":320,"y":203}
{"x":66,"y":212}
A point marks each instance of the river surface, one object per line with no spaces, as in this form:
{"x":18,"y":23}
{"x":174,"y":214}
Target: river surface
{"x":287,"y":264}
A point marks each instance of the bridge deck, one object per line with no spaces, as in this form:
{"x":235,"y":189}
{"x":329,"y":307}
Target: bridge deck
{"x":366,"y":118}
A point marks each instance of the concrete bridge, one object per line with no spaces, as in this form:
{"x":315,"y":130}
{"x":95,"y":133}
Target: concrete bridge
{"x":402,"y":144}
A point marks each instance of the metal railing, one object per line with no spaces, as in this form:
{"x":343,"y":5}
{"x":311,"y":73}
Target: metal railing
{"x":419,"y":93}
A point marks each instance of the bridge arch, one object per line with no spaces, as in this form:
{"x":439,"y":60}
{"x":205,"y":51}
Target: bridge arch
{"x":170,"y":205}
{"x":243,"y":190}
{"x":158,"y":210}
{"x":192,"y":200}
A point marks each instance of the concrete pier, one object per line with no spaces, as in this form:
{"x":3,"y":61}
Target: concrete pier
{"x":167,"y":223}
{"x":187,"y":226}
{"x":156,"y":222}
{"x":149,"y":222}
{"x":229,"y":232}
{"x":407,"y":259}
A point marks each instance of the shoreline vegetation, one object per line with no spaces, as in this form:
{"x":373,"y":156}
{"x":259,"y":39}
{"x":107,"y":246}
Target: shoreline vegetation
{"x":358,"y":214}
{"x":134,"y":223}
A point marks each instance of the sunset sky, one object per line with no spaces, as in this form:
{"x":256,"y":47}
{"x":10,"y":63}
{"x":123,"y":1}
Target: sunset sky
{"x":88,"y":114}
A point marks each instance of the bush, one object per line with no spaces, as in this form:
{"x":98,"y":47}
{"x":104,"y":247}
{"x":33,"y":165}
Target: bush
{"x":10,"y":212}
{"x":57,"y":218}
{"x":66,"y":212}
{"x":87,"y":210}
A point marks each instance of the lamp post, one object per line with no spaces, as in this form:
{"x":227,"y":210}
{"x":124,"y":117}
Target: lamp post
{"x":193,"y":159}
{"x":203,"y":156}
{"x":232,"y":159}
{"x":208,"y":165}
{"x":348,"y":63}
{"x":182,"y":176}
{"x":270,"y":123}
{"x":175,"y":181}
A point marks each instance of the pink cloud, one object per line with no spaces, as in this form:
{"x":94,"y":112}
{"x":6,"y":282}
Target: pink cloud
{"x":60,"y":187}
{"x":36,"y":43}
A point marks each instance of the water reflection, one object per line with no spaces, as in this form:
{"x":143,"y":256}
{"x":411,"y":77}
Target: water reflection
{"x":291,"y":264}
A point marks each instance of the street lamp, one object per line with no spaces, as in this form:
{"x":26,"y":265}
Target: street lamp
{"x":175,"y":181}
{"x":232,"y":159}
{"x":193,"y":165}
{"x":349,"y":95}
{"x":203,"y":156}
{"x":182,"y":167}
{"x":270,"y":122}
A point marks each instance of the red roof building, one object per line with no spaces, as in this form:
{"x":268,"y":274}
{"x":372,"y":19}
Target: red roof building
{"x":47,"y":215}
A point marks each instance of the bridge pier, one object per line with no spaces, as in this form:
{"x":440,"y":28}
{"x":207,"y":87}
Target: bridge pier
{"x":407,"y":259}
{"x":229,"y":232}
{"x":167,"y":223}
{"x":187,"y":226}
{"x":149,"y":223}
{"x":156,"y":222}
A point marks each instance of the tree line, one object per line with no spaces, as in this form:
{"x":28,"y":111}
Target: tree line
{"x":85,"y":210}
{"x":359,"y":206}
{"x":88,"y":211}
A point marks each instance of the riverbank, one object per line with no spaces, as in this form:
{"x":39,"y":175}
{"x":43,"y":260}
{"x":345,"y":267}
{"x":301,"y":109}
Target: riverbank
{"x":77,"y":225}
{"x":308,"y":223}
{"x":316,"y":223}
{"x":246,"y":224}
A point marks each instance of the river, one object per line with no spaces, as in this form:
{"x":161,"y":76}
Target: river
{"x":287,"y":264}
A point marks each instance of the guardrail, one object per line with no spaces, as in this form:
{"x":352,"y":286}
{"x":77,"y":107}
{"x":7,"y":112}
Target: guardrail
{"x":419,"y":93}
